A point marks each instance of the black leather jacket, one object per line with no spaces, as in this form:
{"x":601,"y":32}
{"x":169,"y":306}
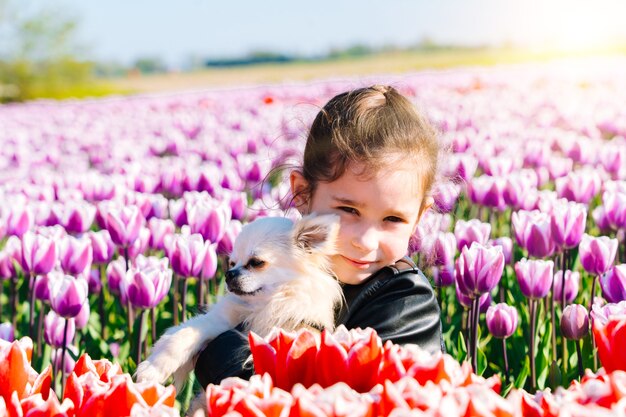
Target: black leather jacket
{"x":397,"y":301}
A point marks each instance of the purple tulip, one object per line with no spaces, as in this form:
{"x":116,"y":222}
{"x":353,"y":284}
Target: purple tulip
{"x":94,"y":282}
{"x":443,"y":249}
{"x":479,"y":269}
{"x":209,"y":220}
{"x":601,"y":220}
{"x":597,"y":253}
{"x":501,"y":320}
{"x":140,"y":245}
{"x":443,"y":276}
{"x":67,"y":295}
{"x":145,"y":288}
{"x":559,"y":167}
{"x":465,"y":167}
{"x":572,"y":283}
{"x":209,"y":265}
{"x":579,"y":186}
{"x":178,"y":212}
{"x":115,"y":271}
{"x":68,"y":363}
{"x":567,"y":224}
{"x":487,"y":191}
{"x":613,"y":284}
{"x":238,"y":202}
{"x":614,"y":203}
{"x":19,"y":221}
{"x":82,"y":318}
{"x":186,"y":254}
{"x":53,"y":329}
{"x":39,"y":253}
{"x":102,"y":246}
{"x":532,"y":232}
{"x":9,"y":255}
{"x":76,"y":255}
{"x":158,"y":206}
{"x":575,"y":322}
{"x":506,"y":244}
{"x":484,"y":301}
{"x":42,"y":285}
{"x":124,"y":225}
{"x":467,"y":232}
{"x":445,"y":196}
{"x":534,"y":277}
{"x":159,"y":228}
{"x":6,"y":332}
{"x":516,"y":188}
{"x":233,"y":228}
{"x":77,"y":217}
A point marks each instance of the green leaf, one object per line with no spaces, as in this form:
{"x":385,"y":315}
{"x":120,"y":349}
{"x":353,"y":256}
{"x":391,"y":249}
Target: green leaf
{"x":481,"y":361}
{"x":461,"y":348}
{"x":554,"y":376}
{"x":523,"y":375}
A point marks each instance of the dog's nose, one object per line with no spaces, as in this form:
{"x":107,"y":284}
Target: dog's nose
{"x":231,"y":274}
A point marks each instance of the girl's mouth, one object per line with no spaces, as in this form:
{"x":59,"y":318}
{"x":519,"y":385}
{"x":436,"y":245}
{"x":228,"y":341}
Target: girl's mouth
{"x":357,"y":264}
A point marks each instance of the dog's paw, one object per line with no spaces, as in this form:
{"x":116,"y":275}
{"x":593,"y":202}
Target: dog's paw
{"x":146,"y":371}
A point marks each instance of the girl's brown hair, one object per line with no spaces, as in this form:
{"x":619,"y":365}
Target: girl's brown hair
{"x":368,"y":125}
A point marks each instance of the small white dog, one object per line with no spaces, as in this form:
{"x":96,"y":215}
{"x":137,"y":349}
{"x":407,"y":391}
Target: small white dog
{"x":279,"y":276}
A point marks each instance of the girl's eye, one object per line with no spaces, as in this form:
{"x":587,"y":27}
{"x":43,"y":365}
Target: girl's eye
{"x":394,"y":219}
{"x":348,"y":210}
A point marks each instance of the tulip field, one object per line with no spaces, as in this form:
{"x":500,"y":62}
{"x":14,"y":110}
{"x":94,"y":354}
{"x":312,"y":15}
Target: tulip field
{"x":117,"y":217}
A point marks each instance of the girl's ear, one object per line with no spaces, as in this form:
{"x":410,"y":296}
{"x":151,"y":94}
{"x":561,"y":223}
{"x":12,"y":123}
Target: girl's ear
{"x":299,"y":189}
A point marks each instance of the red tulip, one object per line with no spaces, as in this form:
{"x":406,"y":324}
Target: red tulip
{"x":610,"y":338}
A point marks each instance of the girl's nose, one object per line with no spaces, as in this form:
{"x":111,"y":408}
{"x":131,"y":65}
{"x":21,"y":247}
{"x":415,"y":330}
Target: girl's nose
{"x":365,"y":239}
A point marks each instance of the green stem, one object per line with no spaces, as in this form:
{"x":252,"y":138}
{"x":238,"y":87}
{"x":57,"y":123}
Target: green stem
{"x":533,"y":318}
{"x":63,"y":357}
{"x":184,"y":296}
{"x":580,"y":358}
{"x":142,"y":317}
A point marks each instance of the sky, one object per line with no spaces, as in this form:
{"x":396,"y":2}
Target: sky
{"x":175,"y":30}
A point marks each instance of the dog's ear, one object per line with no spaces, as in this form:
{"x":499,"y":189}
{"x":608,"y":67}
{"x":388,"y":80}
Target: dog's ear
{"x":315,"y":233}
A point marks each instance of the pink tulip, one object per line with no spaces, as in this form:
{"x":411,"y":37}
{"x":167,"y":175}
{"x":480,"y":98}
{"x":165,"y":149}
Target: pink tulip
{"x":597,"y":253}
{"x":159,"y":228}
{"x":572,"y":284}
{"x":533,"y":233}
{"x":19,"y":221}
{"x":186,"y":254}
{"x":487,"y":191}
{"x":124,"y":225}
{"x":613,"y":284}
{"x":77,"y":217}
{"x":9,"y":256}
{"x":470,"y":231}
{"x":115,"y":271}
{"x":534,"y":277}
{"x":479,"y":269}
{"x":76,"y":255}
{"x":209,"y":220}
{"x":579,"y":186}
{"x":614,"y":206}
{"x":443,"y":249}
{"x":67,"y":295}
{"x":102,"y":246}
{"x":39,"y":253}
{"x":567,"y":224}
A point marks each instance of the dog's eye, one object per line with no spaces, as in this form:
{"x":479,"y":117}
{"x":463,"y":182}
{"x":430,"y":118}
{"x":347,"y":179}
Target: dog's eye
{"x":255,"y":263}
{"x":231,"y":264}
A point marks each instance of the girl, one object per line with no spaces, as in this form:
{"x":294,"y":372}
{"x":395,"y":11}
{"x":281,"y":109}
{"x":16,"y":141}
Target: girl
{"x":371,"y":159}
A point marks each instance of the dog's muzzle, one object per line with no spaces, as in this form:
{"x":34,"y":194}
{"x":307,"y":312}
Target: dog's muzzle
{"x":236,"y":282}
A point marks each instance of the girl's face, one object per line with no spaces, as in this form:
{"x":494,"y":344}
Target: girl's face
{"x":378,"y":213}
